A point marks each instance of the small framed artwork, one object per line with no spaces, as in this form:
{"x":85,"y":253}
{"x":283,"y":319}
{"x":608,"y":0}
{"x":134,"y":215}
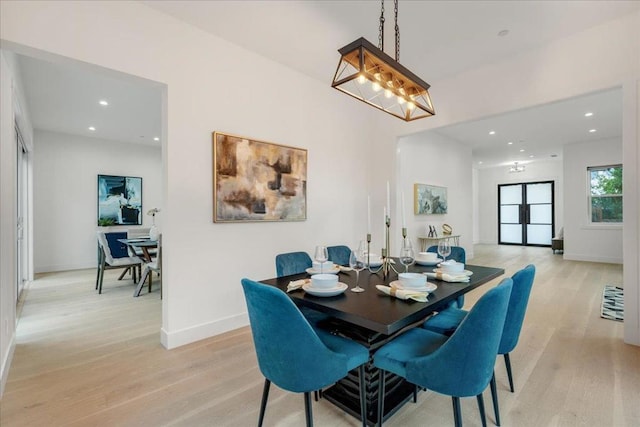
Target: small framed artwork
{"x":429,"y":199}
{"x":119,"y":200}
{"x":257,"y":180}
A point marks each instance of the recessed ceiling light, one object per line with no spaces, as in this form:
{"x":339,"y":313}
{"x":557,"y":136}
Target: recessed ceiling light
{"x":103,"y":102}
{"x":503,"y":33}
{"x":592,"y":130}
{"x":522,"y":150}
{"x":589,"y":114}
{"x":531,"y":156}
{"x":510,"y":143}
{"x":480,"y":162}
{"x":92,"y":129}
{"x":155,"y":138}
{"x":493,"y":132}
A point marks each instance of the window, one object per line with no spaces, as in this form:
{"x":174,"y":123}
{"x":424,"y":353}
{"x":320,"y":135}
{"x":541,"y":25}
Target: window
{"x":605,"y":194}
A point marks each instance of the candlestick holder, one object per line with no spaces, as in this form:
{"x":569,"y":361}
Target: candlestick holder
{"x":387,"y":264}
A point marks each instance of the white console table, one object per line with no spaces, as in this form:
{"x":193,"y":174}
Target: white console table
{"x":425,"y":241}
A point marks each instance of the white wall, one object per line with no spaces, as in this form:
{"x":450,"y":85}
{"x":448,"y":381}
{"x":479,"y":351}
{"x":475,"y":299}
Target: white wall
{"x":65,"y":194}
{"x":215,"y":87}
{"x":487,"y":187}
{"x":583,"y":241}
{"x":430,"y":158}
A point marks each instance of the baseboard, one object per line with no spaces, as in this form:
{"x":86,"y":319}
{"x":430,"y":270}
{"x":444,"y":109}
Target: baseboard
{"x":6,"y":364}
{"x":179,"y":338}
{"x":591,"y":258}
{"x":64,"y":267}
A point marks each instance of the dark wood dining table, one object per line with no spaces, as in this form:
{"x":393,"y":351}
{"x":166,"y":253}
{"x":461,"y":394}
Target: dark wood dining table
{"x":143,"y":244}
{"x":373,"y":319}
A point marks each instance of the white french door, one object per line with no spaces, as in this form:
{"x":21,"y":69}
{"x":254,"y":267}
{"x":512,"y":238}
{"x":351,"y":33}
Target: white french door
{"x":525,"y":213}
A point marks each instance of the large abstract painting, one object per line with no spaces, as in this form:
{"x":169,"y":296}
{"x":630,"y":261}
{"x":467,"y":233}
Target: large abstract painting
{"x":258,"y":181}
{"x":429,"y":199}
{"x":119,"y":200}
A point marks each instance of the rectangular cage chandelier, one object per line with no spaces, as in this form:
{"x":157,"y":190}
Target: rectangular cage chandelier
{"x":367,"y":73}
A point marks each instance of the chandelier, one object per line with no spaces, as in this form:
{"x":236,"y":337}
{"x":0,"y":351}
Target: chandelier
{"x":515,"y":168}
{"x":370,"y":75}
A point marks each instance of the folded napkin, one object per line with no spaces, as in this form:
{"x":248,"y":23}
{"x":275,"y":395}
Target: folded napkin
{"x":344,"y":268}
{"x":403,"y":294}
{"x":297,"y":284}
{"x":462,"y":278}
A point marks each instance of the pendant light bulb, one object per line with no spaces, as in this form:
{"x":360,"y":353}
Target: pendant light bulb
{"x":361,"y":79}
{"x":388,"y":93}
{"x":376,"y":86}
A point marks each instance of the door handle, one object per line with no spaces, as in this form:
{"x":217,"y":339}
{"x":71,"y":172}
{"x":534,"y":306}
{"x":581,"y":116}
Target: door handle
{"x":527,"y":215}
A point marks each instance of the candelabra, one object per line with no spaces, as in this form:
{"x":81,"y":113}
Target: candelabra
{"x":387,"y":264}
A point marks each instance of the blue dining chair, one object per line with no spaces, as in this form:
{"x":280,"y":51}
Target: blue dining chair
{"x":448,"y":320}
{"x":292,"y":263}
{"x":457,"y":253}
{"x":339,"y":254}
{"x":292,"y":354}
{"x":458,"y":366}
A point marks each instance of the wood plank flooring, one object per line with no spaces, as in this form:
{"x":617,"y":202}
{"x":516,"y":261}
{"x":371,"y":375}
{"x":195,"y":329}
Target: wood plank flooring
{"x":84,"y":359}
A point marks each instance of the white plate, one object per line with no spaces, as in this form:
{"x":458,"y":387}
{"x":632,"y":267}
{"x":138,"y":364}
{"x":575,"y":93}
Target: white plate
{"x":331,"y":292}
{"x":375,"y":263}
{"x":334,"y":270}
{"x":429,"y":287}
{"x":428,"y":263}
{"x":465,"y":272}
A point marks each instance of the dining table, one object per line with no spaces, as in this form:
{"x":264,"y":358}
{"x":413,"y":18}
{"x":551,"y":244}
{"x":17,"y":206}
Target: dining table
{"x":372,"y":319}
{"x":144,"y":244}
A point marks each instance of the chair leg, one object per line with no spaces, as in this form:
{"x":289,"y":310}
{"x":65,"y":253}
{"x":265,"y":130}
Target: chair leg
{"x":307,"y":409}
{"x":415,"y":394}
{"x":457,"y":414}
{"x":381,"y":397}
{"x":143,"y":278}
{"x":102,"y":266}
{"x":363,"y":396}
{"x":494,"y":397}
{"x":263,"y":404}
{"x":483,"y":416}
{"x":507,"y":362}
{"x":125,"y":271}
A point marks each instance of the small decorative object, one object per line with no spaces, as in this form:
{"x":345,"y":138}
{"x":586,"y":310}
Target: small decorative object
{"x":446,"y":229}
{"x":119,"y":200}
{"x":258,"y":181}
{"x":432,"y":231}
{"x":429,"y":199}
{"x":153,"y":231}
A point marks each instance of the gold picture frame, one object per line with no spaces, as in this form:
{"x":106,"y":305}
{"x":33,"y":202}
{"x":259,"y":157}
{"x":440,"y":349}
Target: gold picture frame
{"x":257,"y":181}
{"x":429,"y":199}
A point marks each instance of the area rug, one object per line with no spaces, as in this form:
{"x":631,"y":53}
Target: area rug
{"x":612,"y":303}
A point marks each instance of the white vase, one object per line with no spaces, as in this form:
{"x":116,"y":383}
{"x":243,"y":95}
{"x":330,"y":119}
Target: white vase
{"x":153,"y":233}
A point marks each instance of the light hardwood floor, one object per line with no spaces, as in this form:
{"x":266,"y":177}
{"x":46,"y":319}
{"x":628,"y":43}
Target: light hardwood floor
{"x":84,"y":359}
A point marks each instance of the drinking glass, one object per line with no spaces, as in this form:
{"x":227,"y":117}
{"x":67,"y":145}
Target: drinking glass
{"x":321,"y":255}
{"x":407,"y":256}
{"x":356,"y":262}
{"x":444,"y":249}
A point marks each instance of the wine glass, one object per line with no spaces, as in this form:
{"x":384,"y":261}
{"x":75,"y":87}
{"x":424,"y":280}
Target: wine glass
{"x":321,"y":255}
{"x":356,"y":262}
{"x":407,"y":256}
{"x":444,"y":249}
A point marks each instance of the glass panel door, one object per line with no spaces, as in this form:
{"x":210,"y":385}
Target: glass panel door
{"x":525,"y":213}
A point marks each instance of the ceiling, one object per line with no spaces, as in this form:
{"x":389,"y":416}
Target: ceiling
{"x":438,"y":40}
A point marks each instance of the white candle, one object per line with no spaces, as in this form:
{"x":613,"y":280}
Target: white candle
{"x":384,"y":228}
{"x":404,"y":220}
{"x":368,"y":214}
{"x":388,"y":200}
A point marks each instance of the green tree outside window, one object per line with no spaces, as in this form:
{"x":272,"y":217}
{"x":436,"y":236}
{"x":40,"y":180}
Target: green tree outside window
{"x":606,"y":194}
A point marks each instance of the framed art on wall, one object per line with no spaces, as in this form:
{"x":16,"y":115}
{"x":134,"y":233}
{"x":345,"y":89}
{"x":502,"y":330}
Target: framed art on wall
{"x":119,"y":200}
{"x":429,"y":199}
{"x":258,"y":181}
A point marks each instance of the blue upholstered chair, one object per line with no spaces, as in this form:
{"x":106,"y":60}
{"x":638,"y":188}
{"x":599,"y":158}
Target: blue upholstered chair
{"x":448,"y":320}
{"x":339,"y":254}
{"x":292,"y":354}
{"x":113,"y":254}
{"x":458,"y":253}
{"x":459,"y":366}
{"x":292,"y":263}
